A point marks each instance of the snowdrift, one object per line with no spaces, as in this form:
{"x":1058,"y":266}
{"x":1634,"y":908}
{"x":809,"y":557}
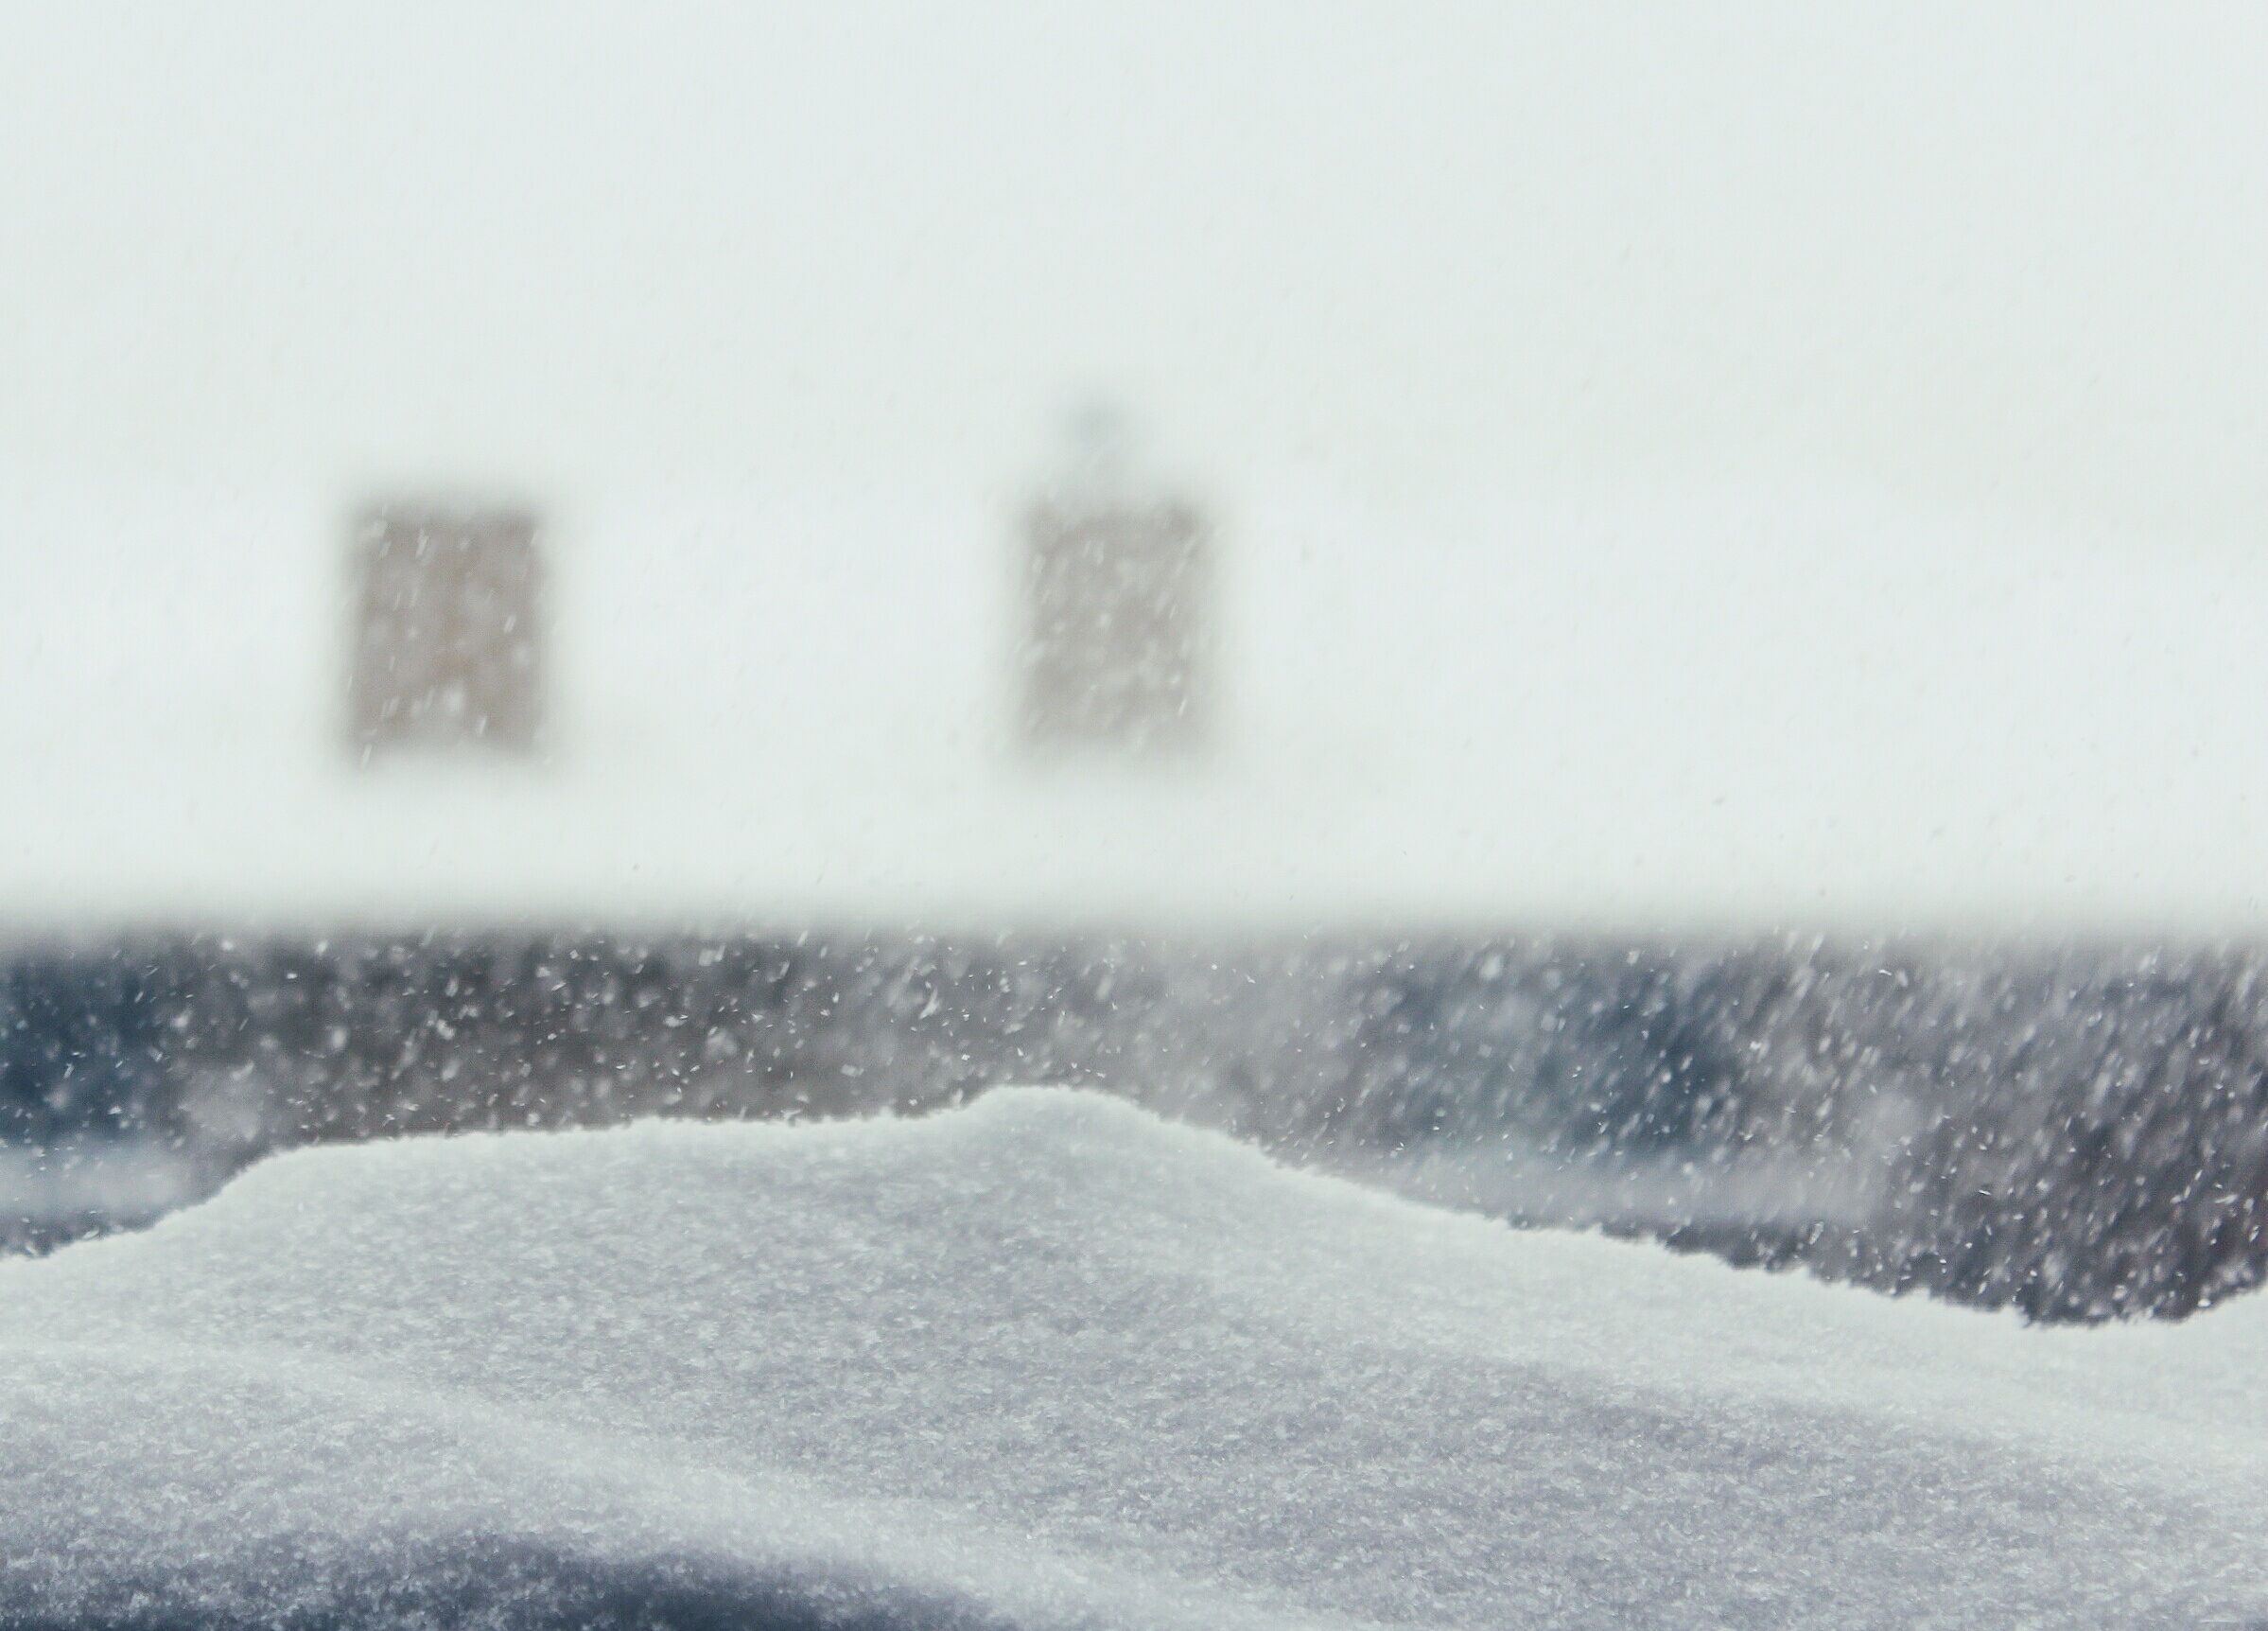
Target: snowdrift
{"x":1050,"y":1360}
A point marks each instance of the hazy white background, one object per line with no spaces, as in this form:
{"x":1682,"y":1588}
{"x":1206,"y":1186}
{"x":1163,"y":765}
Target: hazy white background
{"x":1675,"y":465}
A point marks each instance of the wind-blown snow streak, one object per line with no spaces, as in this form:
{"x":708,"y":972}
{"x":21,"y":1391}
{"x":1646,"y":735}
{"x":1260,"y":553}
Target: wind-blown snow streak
{"x":1049,"y":1361}
{"x":130,"y":1182}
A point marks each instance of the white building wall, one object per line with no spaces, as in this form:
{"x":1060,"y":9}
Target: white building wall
{"x":1671,"y":468}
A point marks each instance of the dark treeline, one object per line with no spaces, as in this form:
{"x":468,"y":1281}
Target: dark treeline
{"x":2079,"y":1134}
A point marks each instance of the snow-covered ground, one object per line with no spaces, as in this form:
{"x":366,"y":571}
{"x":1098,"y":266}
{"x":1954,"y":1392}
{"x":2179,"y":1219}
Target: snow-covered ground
{"x":1672,"y":466}
{"x":1049,"y":1361}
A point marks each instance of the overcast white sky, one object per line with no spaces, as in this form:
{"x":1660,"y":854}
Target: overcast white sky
{"x":1732,"y":465}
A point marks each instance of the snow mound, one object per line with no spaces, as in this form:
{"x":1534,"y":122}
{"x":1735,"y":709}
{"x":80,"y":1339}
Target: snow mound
{"x":1050,"y":1360}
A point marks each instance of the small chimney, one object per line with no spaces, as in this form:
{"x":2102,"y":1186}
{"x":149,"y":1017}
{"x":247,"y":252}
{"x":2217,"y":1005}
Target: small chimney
{"x":448,"y":635}
{"x":1117,"y":593}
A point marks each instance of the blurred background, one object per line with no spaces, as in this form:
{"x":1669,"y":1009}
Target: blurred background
{"x":1618,"y":614}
